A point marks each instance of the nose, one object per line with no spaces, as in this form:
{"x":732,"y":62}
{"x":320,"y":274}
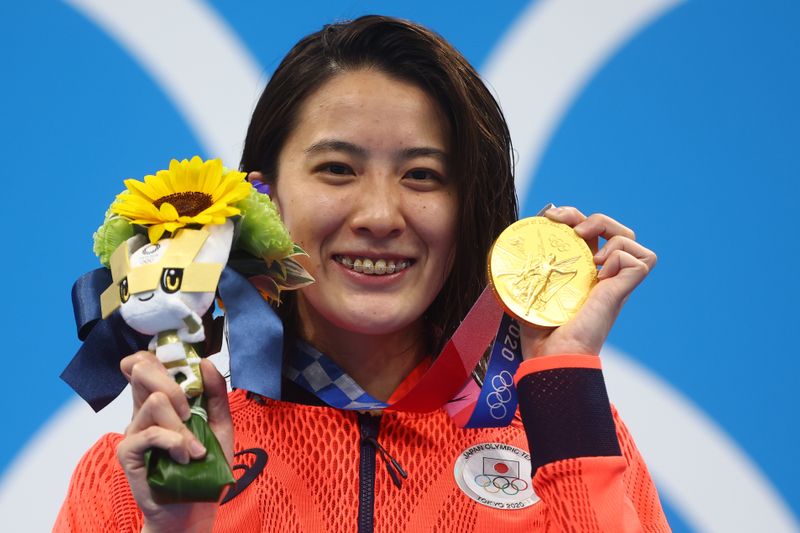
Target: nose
{"x":377,"y":209}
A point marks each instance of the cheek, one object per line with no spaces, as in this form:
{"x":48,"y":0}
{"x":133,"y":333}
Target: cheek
{"x":438,"y":226}
{"x":311,"y":217}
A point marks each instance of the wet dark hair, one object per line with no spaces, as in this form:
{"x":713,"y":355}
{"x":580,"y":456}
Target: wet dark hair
{"x":479,"y":145}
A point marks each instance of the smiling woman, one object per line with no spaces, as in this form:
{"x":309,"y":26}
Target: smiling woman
{"x":391,"y":165}
{"x":363,"y":187}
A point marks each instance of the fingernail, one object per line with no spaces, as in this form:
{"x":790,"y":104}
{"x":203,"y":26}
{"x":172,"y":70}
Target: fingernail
{"x":196,"y":449}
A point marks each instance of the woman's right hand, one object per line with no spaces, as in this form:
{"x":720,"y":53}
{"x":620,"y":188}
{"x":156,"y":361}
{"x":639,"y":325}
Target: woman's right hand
{"x":159,"y":410}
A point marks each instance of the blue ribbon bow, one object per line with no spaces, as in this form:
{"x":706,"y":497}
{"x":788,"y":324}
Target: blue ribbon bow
{"x":255,"y":340}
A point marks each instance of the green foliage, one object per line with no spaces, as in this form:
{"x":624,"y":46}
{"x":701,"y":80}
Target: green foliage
{"x":262,"y":232}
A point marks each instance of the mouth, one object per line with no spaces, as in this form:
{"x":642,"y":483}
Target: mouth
{"x":373,"y":266}
{"x":145,"y":299}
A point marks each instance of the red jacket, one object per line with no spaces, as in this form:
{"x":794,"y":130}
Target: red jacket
{"x":315,"y":478}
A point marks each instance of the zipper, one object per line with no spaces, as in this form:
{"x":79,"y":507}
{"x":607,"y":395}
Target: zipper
{"x":369,"y":448}
{"x":392,"y":466}
{"x":368,"y":427}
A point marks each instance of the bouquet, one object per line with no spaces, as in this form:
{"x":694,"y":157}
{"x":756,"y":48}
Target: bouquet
{"x":167,"y":240}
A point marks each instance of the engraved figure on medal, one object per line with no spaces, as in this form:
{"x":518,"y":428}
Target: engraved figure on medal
{"x":542,"y":276}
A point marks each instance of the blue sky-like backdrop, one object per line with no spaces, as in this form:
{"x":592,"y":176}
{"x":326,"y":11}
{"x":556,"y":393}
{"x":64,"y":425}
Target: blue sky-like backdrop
{"x":688,"y":132}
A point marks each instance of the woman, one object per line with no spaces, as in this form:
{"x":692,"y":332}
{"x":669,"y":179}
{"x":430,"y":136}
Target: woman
{"x":391,"y":165}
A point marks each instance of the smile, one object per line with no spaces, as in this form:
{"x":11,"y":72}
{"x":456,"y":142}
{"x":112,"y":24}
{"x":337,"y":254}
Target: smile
{"x":371,"y":266}
{"x":148,"y":298}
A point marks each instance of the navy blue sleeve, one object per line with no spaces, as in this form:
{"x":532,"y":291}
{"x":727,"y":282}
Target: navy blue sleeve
{"x":566,"y":414}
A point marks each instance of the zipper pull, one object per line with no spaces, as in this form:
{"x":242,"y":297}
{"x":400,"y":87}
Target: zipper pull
{"x":392,"y":466}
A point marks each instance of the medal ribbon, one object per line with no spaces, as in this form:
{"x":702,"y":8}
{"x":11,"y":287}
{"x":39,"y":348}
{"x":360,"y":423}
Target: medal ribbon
{"x":493,"y":405}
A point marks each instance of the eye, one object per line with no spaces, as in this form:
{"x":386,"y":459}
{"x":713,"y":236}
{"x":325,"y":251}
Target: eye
{"x":338,"y":169}
{"x":124,"y":293}
{"x":171,"y":279}
{"x":423,"y":174}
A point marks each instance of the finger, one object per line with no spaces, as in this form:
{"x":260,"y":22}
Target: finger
{"x":566,"y":215}
{"x":157,"y":410}
{"x":627,"y":245}
{"x":219,"y":412}
{"x":216,"y":391}
{"x":127,"y":363}
{"x":148,"y":375}
{"x":626,"y":269}
{"x":599,"y":225}
{"x":130,"y":450}
{"x":574,"y":218}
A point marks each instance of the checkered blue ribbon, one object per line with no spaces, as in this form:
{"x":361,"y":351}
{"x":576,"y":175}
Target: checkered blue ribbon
{"x":319,"y":375}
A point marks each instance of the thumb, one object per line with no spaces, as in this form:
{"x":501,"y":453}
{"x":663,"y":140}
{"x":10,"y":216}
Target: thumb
{"x":219,"y":411}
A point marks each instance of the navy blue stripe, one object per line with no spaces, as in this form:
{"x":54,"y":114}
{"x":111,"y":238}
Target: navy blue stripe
{"x":566,"y":414}
{"x":369,"y":426}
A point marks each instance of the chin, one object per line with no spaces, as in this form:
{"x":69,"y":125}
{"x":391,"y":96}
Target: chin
{"x":372,"y":325}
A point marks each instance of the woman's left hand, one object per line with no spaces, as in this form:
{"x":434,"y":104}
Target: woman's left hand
{"x":625,"y":263}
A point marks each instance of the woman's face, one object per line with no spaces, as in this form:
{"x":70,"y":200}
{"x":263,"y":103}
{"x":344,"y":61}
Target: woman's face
{"x":363,"y":187}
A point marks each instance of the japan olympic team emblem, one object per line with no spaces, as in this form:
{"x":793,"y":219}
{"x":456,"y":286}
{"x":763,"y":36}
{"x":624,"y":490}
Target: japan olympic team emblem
{"x":496,"y":475}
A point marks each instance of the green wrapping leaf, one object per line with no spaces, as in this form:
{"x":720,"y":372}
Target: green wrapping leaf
{"x":201,"y":480}
{"x":296,"y":250}
{"x":296,"y":276}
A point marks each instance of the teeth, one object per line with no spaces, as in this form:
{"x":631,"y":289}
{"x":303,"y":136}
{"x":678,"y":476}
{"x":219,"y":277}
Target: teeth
{"x":377,"y":267}
{"x":368,"y":266}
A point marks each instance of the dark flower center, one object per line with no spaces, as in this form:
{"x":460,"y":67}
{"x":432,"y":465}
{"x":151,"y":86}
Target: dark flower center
{"x":187,"y":204}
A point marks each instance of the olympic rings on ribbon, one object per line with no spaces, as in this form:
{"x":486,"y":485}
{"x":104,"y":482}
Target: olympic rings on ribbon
{"x":497,"y":399}
{"x":494,"y":484}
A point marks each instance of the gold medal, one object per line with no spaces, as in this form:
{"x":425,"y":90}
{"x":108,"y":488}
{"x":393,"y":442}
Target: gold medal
{"x":541,"y":271}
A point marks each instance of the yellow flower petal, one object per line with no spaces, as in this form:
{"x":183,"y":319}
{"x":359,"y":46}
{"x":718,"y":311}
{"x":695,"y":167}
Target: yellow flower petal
{"x":172,"y":226}
{"x":154,"y":233}
{"x":240,"y":192}
{"x":168,"y":211}
{"x":177,"y":175}
{"x":201,"y":219}
{"x":158,"y":184}
{"x":136,"y":208}
{"x":141,"y":189}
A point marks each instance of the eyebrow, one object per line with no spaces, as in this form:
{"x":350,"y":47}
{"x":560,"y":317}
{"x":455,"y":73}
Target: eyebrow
{"x":334,"y":145}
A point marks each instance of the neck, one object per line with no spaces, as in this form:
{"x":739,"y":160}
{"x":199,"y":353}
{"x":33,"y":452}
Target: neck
{"x":378,"y":363}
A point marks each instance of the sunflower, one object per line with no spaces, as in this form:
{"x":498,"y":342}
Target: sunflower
{"x":190,"y":192}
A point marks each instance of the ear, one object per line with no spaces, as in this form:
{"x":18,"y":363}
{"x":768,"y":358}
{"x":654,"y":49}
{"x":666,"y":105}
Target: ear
{"x":259,"y":180}
{"x":255,"y":177}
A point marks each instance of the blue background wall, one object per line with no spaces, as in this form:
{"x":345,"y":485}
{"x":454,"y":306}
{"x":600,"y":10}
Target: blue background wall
{"x":687,"y":132}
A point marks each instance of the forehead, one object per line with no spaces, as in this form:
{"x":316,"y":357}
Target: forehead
{"x":373,"y":109}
